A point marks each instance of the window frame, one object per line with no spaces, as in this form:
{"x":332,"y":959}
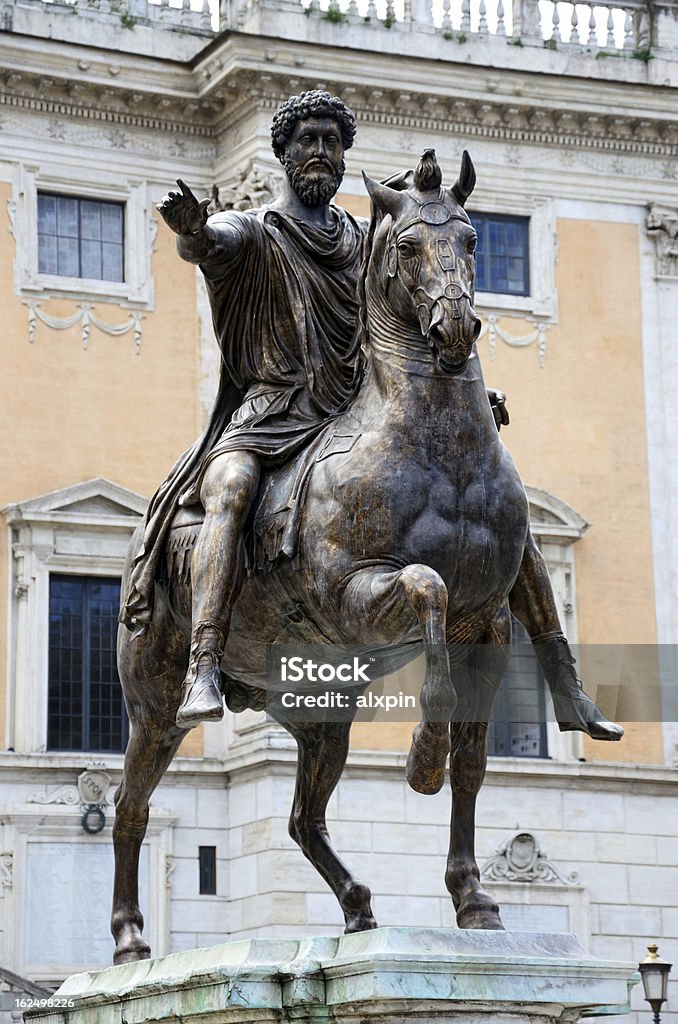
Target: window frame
{"x":86,"y":681}
{"x":43,"y":193}
{"x":542,"y":301}
{"x":136,"y":291}
{"x":506,"y":218}
{"x":81,"y":530}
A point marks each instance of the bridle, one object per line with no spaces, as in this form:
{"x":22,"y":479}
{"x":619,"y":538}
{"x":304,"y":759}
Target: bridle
{"x":435,"y":213}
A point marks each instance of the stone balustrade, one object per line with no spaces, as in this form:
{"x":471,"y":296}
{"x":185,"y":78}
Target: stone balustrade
{"x":129,"y":13}
{"x":608,"y":25}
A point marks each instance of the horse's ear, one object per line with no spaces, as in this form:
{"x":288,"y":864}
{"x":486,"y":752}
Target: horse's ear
{"x":466,"y":181}
{"x":386,"y":199}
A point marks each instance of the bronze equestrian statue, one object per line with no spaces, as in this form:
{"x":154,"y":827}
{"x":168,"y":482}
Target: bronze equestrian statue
{"x":404,"y":519}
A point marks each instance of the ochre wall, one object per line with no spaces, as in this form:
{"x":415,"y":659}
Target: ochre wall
{"x":74,"y":414}
{"x":578,"y":430}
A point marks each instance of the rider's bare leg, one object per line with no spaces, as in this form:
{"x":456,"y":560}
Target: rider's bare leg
{"x":533,"y":604}
{"x":228,"y":489}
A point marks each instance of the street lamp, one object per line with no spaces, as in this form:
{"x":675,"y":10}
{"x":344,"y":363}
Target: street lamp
{"x":655,"y":974}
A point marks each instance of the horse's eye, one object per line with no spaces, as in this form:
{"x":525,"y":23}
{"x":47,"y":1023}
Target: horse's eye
{"x":407,"y":250}
{"x":471,"y":245}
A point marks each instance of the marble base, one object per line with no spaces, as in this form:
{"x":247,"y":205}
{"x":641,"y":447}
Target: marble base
{"x":390,"y":974}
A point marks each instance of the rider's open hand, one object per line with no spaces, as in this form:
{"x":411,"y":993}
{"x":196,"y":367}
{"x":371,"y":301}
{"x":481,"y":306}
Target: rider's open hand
{"x":499,"y":410}
{"x":182,"y":212}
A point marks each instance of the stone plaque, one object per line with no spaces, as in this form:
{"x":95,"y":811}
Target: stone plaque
{"x":535,"y":918}
{"x":68,"y":902}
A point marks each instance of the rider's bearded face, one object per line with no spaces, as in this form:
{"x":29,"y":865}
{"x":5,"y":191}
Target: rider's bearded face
{"x":314,"y":160}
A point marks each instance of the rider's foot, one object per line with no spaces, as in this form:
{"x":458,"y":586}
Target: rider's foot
{"x":574,"y":709}
{"x":202,"y":699}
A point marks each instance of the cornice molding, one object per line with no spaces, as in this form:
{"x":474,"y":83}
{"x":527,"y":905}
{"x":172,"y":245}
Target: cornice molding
{"x":232,"y":86}
{"x":100,"y":113}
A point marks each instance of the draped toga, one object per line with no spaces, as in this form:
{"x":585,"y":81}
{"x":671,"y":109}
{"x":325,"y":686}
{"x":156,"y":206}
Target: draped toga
{"x":284,"y":310}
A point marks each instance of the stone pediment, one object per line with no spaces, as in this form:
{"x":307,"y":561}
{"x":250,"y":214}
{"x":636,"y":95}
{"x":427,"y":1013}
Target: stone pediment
{"x":92,"y":498}
{"x":552,"y":517}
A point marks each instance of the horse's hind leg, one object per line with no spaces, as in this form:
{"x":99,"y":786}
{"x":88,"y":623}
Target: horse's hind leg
{"x":384,"y":601}
{"x":152,"y":702}
{"x":481,"y":676}
{"x":323,"y":748}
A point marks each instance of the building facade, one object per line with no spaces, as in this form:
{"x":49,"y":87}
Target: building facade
{"x":109,"y":373}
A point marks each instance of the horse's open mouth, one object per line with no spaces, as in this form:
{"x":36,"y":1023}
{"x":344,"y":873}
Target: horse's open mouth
{"x":451,"y":369}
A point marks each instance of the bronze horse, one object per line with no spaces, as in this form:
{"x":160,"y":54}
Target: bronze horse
{"x":412,"y":532}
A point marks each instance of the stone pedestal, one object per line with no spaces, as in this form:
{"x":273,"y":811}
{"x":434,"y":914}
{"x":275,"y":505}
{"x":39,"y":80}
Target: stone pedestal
{"x":391,"y":975}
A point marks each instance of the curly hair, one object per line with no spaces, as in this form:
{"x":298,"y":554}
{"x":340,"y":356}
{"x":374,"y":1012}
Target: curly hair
{"x":314,"y":103}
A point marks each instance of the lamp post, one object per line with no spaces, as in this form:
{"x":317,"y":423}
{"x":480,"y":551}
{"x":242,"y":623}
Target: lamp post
{"x":655,"y":974}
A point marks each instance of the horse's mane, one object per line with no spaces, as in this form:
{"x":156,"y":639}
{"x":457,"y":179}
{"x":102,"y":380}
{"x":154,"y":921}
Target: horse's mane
{"x":401,"y":181}
{"x":362,"y":336}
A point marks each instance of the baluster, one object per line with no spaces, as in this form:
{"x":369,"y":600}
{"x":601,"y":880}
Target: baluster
{"x":185,"y":11}
{"x":501,"y":24}
{"x":574,"y":35}
{"x":593,"y":38}
{"x":371,"y":8}
{"x":528,"y":22}
{"x":628,"y":31}
{"x":447,"y":19}
{"x":205,"y":15}
{"x":407,"y":10}
{"x":390,"y":12}
{"x":610,"y":43}
{"x":555,"y":35}
{"x":352,"y":8}
{"x":642,"y":22}
{"x":482,"y":18}
{"x":465,"y":16}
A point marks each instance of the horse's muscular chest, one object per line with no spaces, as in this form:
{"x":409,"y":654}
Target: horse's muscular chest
{"x":417,"y":499}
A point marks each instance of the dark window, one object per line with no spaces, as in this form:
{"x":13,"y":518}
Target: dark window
{"x":518,"y":725}
{"x":502,"y":257}
{"x":207,"y":860}
{"x":80,"y":237}
{"x":86,"y":710}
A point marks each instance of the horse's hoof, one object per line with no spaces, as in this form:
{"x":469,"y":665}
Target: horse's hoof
{"x":131,"y":956}
{"x":425,"y":770}
{"x":480,"y":911}
{"x":355,"y":902}
{"x":359,"y":923}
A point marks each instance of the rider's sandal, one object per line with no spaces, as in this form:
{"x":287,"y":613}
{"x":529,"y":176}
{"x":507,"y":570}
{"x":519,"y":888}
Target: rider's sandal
{"x":574,"y":709}
{"x":202,"y":700}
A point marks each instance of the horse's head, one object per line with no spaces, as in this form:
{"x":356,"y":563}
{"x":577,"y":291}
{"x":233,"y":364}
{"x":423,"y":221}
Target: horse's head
{"x":425,"y":256}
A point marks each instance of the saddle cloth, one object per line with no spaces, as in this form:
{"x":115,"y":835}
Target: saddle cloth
{"x":272,"y":529}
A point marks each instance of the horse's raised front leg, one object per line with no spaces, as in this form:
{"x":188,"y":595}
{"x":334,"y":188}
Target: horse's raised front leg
{"x":481,"y":676}
{"x":388,"y":603}
{"x":323,"y":748}
{"x":154,"y":740}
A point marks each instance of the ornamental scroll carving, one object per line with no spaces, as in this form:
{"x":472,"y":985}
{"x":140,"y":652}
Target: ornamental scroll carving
{"x":6,"y":870}
{"x":522,"y":860}
{"x":662,"y":225}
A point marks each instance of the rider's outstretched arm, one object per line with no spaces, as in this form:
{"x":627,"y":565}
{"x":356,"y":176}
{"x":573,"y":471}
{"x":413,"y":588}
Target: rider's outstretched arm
{"x":208,"y":243}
